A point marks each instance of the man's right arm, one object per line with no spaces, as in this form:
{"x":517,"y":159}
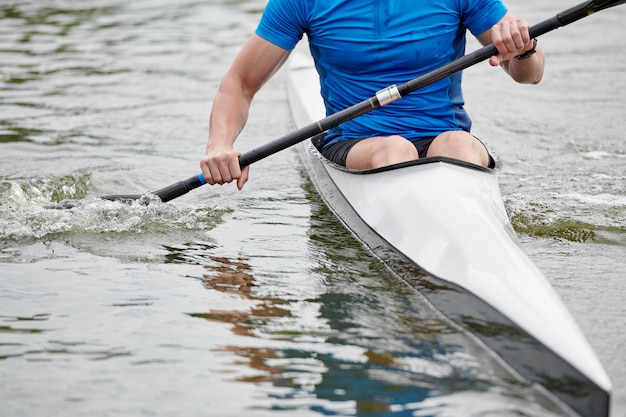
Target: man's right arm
{"x":255,"y":64}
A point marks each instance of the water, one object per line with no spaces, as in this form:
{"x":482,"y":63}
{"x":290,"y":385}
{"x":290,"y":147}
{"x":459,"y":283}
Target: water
{"x":258,"y":302}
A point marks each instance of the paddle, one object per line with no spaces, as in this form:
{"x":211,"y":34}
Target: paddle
{"x":381,"y":98}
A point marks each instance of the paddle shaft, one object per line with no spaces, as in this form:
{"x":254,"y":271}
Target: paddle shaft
{"x":383,"y":97}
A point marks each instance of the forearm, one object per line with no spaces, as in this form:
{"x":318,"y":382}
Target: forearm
{"x":228,"y":118}
{"x":526,"y":71}
{"x":253,"y":66}
{"x":228,"y":115}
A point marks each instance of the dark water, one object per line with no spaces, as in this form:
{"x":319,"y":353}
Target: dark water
{"x":227,"y":303}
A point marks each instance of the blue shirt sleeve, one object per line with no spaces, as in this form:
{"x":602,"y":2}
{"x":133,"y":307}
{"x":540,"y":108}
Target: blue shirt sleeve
{"x":283,"y":22}
{"x":480,"y":15}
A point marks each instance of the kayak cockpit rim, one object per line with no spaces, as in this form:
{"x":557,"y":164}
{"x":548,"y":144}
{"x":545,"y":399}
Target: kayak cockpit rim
{"x":317,"y":142}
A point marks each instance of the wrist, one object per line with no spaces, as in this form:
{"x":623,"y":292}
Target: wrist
{"x":529,"y":52}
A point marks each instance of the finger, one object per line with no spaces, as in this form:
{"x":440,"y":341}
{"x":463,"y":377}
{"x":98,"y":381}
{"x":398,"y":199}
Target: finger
{"x":206,"y":171}
{"x":223,"y":166}
{"x":520,"y":36}
{"x":496,"y":39}
{"x":511,"y":38}
{"x":243,"y":178}
{"x":233,"y":166}
{"x":215,"y":174}
{"x":524,"y":30}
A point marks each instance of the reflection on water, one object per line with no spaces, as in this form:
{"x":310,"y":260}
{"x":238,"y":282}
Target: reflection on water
{"x":232,"y":277}
{"x":367,"y":344}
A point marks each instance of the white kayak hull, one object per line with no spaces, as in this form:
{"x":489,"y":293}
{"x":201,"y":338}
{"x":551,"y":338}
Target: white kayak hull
{"x":447,"y":219}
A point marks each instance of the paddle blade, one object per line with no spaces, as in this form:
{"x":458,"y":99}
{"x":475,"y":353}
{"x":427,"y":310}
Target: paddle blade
{"x":142,"y":199}
{"x":65,"y":204}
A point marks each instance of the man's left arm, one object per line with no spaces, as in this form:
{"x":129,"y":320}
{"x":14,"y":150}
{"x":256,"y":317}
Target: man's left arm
{"x":511,"y":37}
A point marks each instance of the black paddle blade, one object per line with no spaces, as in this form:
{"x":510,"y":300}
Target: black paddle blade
{"x":65,"y":204}
{"x":142,"y":199}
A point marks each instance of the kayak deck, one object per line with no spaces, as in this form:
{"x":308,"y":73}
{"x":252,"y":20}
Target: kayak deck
{"x":440,"y":224}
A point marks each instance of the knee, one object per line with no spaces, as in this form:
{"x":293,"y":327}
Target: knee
{"x":453,"y":139}
{"x":396,"y":149}
{"x":380,"y":151}
{"x":460,"y":145}
{"x":400,"y":145}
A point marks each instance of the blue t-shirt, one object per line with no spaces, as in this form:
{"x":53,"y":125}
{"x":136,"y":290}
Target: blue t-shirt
{"x":363,"y":46}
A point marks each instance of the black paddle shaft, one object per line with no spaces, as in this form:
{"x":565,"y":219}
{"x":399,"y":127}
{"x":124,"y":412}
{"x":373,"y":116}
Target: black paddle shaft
{"x":166,"y":193}
{"x":561,"y":19}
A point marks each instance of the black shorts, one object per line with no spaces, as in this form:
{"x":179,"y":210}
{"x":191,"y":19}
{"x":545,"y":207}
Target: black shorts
{"x":338,"y":152}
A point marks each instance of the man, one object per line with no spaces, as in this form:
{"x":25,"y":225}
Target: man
{"x":360,"y":47}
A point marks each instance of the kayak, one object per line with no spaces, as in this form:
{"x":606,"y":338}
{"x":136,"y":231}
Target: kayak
{"x":440,"y":224}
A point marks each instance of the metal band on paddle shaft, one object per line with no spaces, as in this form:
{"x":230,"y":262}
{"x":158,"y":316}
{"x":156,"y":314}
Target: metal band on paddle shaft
{"x":387,"y":95}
